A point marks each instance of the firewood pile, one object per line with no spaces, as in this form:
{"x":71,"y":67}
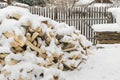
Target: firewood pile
{"x":32,"y":44}
{"x":107,"y":33}
{"x":108,"y":37}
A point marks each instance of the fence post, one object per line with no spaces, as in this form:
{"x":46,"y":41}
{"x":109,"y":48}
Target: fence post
{"x":110,"y":18}
{"x":9,"y":2}
{"x":55,"y":14}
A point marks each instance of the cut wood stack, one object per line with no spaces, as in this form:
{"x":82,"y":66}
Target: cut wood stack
{"x":107,"y":33}
{"x":38,"y":41}
{"x":108,"y":37}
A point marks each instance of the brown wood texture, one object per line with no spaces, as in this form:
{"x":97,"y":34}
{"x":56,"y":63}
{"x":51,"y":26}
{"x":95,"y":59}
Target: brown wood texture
{"x":108,"y":37}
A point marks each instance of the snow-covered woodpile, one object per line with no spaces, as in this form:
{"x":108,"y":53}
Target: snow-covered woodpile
{"x":33,"y":47}
{"x":107,"y":33}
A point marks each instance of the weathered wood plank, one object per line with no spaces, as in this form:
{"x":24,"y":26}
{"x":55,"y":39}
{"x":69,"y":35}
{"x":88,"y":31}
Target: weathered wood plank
{"x":108,"y":41}
{"x":107,"y":37}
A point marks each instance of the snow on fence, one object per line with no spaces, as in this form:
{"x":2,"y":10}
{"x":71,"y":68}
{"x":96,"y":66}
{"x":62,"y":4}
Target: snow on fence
{"x":81,"y":17}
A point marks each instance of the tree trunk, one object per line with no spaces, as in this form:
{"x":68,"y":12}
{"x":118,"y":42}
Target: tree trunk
{"x":9,"y":2}
{"x":101,"y":1}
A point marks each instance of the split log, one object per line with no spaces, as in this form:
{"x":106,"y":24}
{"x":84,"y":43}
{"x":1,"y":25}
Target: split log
{"x":30,"y":30}
{"x":79,"y":64}
{"x":47,"y":39}
{"x":38,"y":45}
{"x":14,"y":44}
{"x":35,"y":43}
{"x":55,"y":55}
{"x":26,"y":24}
{"x":41,"y":64}
{"x":66,"y":67}
{"x":52,"y":34}
{"x":5,"y":72}
{"x":45,"y":22}
{"x":43,"y":50}
{"x":48,"y":25}
{"x":30,"y":70}
{"x":13,"y":61}
{"x":75,"y":57}
{"x":19,"y":49}
{"x":8,"y":34}
{"x":2,"y":62}
{"x":39,"y":30}
{"x":16,"y":16}
{"x":59,"y":37}
{"x":28,"y":43}
{"x":69,"y":49}
{"x":50,"y":59}
{"x":35,"y":34}
{"x":43,"y":55}
{"x":68,"y":46}
{"x":28,"y":36}
{"x":55,"y":77}
{"x":3,"y":55}
{"x":48,"y":63}
{"x":19,"y":40}
{"x":20,"y":78}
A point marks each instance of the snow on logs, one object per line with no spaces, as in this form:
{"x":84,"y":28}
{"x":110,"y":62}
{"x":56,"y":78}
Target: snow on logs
{"x":32,"y":45}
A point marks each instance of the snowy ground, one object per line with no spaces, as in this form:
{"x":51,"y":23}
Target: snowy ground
{"x":103,"y":64}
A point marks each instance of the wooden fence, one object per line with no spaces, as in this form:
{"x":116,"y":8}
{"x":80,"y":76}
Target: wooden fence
{"x":81,"y":17}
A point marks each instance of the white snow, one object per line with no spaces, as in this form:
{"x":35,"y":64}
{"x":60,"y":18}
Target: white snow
{"x":5,"y":50}
{"x":84,"y":1}
{"x":84,"y":41}
{"x":116,"y":13}
{"x":64,"y":29}
{"x":14,"y":26}
{"x":11,"y":9}
{"x":102,"y":64}
{"x":100,"y":5}
{"x":106,"y":27}
{"x":20,"y":4}
{"x":23,"y":68}
{"x":111,"y":27}
{"x":115,"y":2}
